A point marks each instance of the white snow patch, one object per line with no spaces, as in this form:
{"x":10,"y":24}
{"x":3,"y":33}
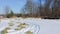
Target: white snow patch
{"x":42,"y":26}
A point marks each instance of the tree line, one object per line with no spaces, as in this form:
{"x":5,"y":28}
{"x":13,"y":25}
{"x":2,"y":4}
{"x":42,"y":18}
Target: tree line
{"x":51,"y":8}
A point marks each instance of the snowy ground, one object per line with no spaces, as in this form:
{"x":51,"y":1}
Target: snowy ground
{"x":36,"y":25}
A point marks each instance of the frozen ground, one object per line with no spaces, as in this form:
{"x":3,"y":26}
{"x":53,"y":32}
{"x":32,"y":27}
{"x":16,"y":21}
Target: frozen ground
{"x":37,"y":25}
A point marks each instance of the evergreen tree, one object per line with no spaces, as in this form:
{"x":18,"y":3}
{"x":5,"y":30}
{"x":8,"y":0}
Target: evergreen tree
{"x":11,"y":14}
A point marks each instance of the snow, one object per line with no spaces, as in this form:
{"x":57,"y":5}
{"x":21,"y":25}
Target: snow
{"x":36,"y":25}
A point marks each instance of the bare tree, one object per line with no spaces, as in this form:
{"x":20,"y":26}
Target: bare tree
{"x":55,"y":9}
{"x":23,"y":11}
{"x":59,"y":7}
{"x":47,"y":5}
{"x":7,"y":9}
{"x":44,"y":10}
{"x":29,"y":8}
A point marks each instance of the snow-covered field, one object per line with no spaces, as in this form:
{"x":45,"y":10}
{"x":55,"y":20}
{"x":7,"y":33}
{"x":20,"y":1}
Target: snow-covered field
{"x":35,"y":25}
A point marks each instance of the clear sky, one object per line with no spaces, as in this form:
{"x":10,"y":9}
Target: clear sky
{"x":15,"y":5}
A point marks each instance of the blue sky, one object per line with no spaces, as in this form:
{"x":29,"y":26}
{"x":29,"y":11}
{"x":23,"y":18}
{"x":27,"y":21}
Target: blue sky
{"x":15,"y":5}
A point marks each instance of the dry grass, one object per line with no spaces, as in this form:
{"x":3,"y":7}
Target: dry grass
{"x":29,"y":32}
{"x":11,"y":24}
{"x":18,"y":28}
{"x":22,"y":25}
{"x":5,"y":30}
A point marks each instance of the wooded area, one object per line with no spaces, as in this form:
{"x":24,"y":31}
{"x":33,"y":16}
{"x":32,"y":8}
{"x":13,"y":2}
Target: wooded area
{"x":50,"y":9}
